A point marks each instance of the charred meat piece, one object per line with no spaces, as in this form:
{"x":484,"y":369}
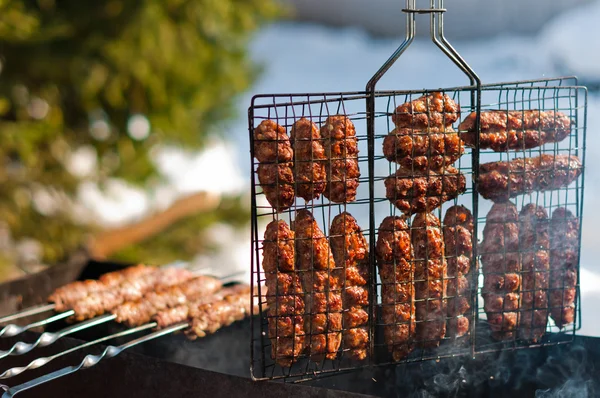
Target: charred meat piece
{"x":271,"y":143}
{"x":501,"y":266}
{"x":535,"y":261}
{"x":321,"y":281}
{"x":135,"y":313}
{"x":66,"y":296}
{"x":284,"y":294}
{"x":421,"y":191}
{"x":432,"y":110}
{"x":277,"y":182}
{"x":181,"y":313}
{"x":309,"y":160}
{"x":500,"y":181}
{"x":128,"y":290}
{"x":430,"y":279}
{"x":395,"y":262}
{"x":351,"y":254}
{"x":210,"y":317}
{"x":423,"y":150}
{"x":458,"y":241}
{"x":564,"y":259}
{"x":341,"y":148}
{"x":506,"y":130}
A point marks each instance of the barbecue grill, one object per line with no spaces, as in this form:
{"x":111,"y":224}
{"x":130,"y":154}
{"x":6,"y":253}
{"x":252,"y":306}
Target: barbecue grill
{"x":373,"y":114}
{"x":473,"y":364}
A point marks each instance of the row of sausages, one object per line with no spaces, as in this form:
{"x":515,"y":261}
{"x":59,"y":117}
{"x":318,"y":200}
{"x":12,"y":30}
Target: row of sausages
{"x":318,"y":295}
{"x":313,"y":162}
{"x":317,"y":290}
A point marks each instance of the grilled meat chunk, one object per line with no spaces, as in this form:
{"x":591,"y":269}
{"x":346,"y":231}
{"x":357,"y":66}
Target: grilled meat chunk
{"x":351,"y":254}
{"x":341,"y":148}
{"x":422,"y":150}
{"x":181,"y":313}
{"x":534,"y":243}
{"x":431,"y":110}
{"x":309,"y":160}
{"x":277,"y":182}
{"x":430,"y":279}
{"x":271,"y":143}
{"x":458,"y":241}
{"x":210,"y":317}
{"x":500,"y":181}
{"x":501,"y":266}
{"x":321,"y":281}
{"x":285,"y":297}
{"x":395,"y":262}
{"x":128,"y":290}
{"x":135,"y":313}
{"x":66,"y":296}
{"x":421,"y":192}
{"x":564,"y":258}
{"x":506,"y":130}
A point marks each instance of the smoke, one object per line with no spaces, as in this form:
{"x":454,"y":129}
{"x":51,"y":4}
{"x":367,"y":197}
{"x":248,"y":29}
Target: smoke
{"x":568,"y":375}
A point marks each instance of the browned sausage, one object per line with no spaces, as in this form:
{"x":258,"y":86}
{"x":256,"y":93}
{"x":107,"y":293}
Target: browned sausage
{"x":458,"y":240}
{"x":396,"y":270}
{"x":564,"y":259}
{"x":277,"y":182}
{"x":501,"y":266}
{"x":351,"y":253}
{"x":432,"y":110}
{"x":322,"y":286}
{"x":422,"y":150}
{"x":430,"y":279}
{"x":341,"y":147}
{"x":500,"y":181}
{"x":285,"y":297}
{"x":309,"y":159}
{"x":415,"y":192}
{"x":505,"y":130}
{"x":534,"y":245}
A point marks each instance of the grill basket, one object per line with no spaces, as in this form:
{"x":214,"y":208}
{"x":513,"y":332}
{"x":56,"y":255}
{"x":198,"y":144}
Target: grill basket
{"x":371,"y":113}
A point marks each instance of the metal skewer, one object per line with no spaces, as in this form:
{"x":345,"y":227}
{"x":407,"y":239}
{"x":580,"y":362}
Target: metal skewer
{"x":91,"y":360}
{"x":13,"y":330}
{"x":28,"y":312}
{"x":39,"y":362}
{"x":48,"y":338}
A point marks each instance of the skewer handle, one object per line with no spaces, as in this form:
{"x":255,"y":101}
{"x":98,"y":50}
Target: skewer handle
{"x":13,"y":330}
{"x":28,"y":312}
{"x":91,"y":360}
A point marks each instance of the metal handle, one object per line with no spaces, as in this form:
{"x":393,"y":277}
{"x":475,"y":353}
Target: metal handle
{"x":436,"y":11}
{"x":91,"y":360}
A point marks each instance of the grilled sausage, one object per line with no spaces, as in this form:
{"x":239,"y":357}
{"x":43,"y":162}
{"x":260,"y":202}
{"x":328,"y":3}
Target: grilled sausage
{"x":423,"y":150}
{"x":501,"y":266}
{"x":351,"y":253}
{"x":341,"y":147}
{"x":432,"y":110}
{"x":430,"y":279}
{"x":309,"y":159}
{"x":500,"y":181}
{"x":458,"y":241}
{"x":271,"y":143}
{"x":534,"y":243}
{"x":505,"y":130}
{"x":322,"y":286}
{"x":396,"y":269}
{"x":564,"y":258}
{"x":421,"y":191}
{"x":277,"y":182}
{"x":284,"y":294}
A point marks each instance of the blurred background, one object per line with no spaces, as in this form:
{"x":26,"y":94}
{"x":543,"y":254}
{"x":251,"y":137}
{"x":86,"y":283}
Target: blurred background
{"x":123,"y":124}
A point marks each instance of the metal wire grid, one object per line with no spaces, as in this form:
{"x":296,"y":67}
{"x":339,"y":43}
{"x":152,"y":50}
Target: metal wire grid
{"x":549,"y":94}
{"x":285,"y":111}
{"x":560,"y":95}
